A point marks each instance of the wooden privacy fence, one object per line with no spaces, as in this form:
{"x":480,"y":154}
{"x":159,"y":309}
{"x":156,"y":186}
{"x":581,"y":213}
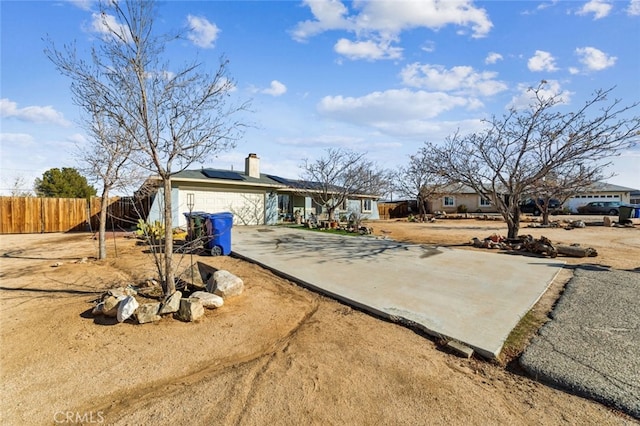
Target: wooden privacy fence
{"x":395,"y":209}
{"x":30,"y":215}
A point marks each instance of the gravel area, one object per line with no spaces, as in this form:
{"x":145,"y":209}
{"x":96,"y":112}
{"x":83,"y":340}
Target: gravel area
{"x":591,"y":347}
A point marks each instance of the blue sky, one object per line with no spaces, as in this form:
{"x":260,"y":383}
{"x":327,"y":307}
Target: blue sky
{"x":380,"y":77}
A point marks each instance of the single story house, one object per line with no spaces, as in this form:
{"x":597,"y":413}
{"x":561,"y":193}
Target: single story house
{"x":465,"y":198}
{"x":461,"y":199}
{"x":254,"y":198}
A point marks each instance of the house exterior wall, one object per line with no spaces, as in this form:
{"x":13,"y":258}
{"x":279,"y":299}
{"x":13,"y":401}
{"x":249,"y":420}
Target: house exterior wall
{"x":252,"y":207}
{"x":471,"y":201}
{"x":156,"y":212}
{"x":271,"y":208}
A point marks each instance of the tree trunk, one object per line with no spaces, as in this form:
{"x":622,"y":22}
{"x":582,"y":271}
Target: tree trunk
{"x":102,"y":227}
{"x":545,"y":216}
{"x":422,"y":209}
{"x":168,"y":284}
{"x":573,"y":251}
{"x":330,"y":212}
{"x":513,"y":224}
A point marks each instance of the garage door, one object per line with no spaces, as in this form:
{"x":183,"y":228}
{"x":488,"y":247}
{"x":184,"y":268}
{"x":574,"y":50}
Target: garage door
{"x":582,"y":200}
{"x":247,"y":207}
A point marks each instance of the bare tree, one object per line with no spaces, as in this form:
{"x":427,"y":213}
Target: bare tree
{"x":504,"y":162}
{"x":561,"y":185}
{"x":342,"y":174}
{"x":107,"y":158}
{"x":19,"y":187}
{"x":173,"y":117}
{"x":420,"y":180}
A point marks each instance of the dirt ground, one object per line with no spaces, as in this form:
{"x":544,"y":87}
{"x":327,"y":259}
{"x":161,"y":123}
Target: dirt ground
{"x":277,"y":354}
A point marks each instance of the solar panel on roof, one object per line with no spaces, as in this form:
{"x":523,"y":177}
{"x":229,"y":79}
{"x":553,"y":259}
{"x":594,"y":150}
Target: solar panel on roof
{"x":280,"y":179}
{"x":222,"y":174}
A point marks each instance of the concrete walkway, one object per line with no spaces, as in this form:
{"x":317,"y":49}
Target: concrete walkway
{"x":471,"y":296}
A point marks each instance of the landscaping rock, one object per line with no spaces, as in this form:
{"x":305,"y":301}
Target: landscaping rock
{"x":110,"y":307}
{"x":607,"y":222}
{"x":126,"y":308}
{"x":171,"y":305}
{"x":122,"y":292}
{"x":209,"y":300}
{"x":190,"y":309}
{"x":225,"y":284}
{"x":98,"y":309}
{"x":148,"y":312}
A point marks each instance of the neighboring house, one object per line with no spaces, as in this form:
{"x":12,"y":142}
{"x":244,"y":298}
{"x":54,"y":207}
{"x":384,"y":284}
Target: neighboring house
{"x":253,"y":198}
{"x":463,"y":198}
{"x":634,"y":197}
{"x":466,"y":196}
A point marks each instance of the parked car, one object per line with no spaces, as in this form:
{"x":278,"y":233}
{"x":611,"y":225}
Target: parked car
{"x":529,"y":206}
{"x":611,"y":208}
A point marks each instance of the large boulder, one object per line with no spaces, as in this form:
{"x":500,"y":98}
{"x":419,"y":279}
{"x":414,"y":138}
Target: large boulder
{"x":126,"y":308}
{"x":190,"y":309}
{"x":225,"y":284}
{"x":148,"y":312}
{"x":171,"y":305}
{"x":209,"y":300}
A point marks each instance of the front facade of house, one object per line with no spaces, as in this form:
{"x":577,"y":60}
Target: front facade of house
{"x":252,"y":197}
{"x":462,"y":200}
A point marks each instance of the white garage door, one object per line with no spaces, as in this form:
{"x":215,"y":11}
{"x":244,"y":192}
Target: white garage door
{"x":581,"y":200}
{"x":247,"y":207}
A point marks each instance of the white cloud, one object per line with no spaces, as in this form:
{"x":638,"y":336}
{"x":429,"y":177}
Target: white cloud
{"x":542,"y":61}
{"x":369,"y":50}
{"x":276,"y":89}
{"x":429,"y":46}
{"x":391,"y":108}
{"x":492,"y":58}
{"x":574,"y":70}
{"x":82,"y":4}
{"x":324,"y":141}
{"x":383,"y":20}
{"x":16,"y":138}
{"x":202,"y":32}
{"x":459,"y":79}
{"x":526,"y":98}
{"x":634,"y":8}
{"x":33,"y":114}
{"x":328,"y":14}
{"x":77,"y":138}
{"x":599,"y":8}
{"x":594,"y":59}
{"x":107,"y":26}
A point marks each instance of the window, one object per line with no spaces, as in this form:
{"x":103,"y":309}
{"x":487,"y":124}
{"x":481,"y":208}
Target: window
{"x":449,"y":202}
{"x":366,"y":205}
{"x":484,"y":202}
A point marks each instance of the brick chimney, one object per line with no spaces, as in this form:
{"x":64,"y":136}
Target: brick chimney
{"x":252,"y":166}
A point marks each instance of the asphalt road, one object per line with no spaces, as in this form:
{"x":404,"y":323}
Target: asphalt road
{"x":591,"y":347}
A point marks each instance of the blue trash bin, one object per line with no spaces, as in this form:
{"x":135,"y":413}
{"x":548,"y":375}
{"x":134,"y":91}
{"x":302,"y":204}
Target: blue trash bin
{"x":219,"y":231}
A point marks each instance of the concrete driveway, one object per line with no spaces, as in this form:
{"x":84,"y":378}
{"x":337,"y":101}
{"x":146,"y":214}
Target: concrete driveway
{"x":473,"y":297}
